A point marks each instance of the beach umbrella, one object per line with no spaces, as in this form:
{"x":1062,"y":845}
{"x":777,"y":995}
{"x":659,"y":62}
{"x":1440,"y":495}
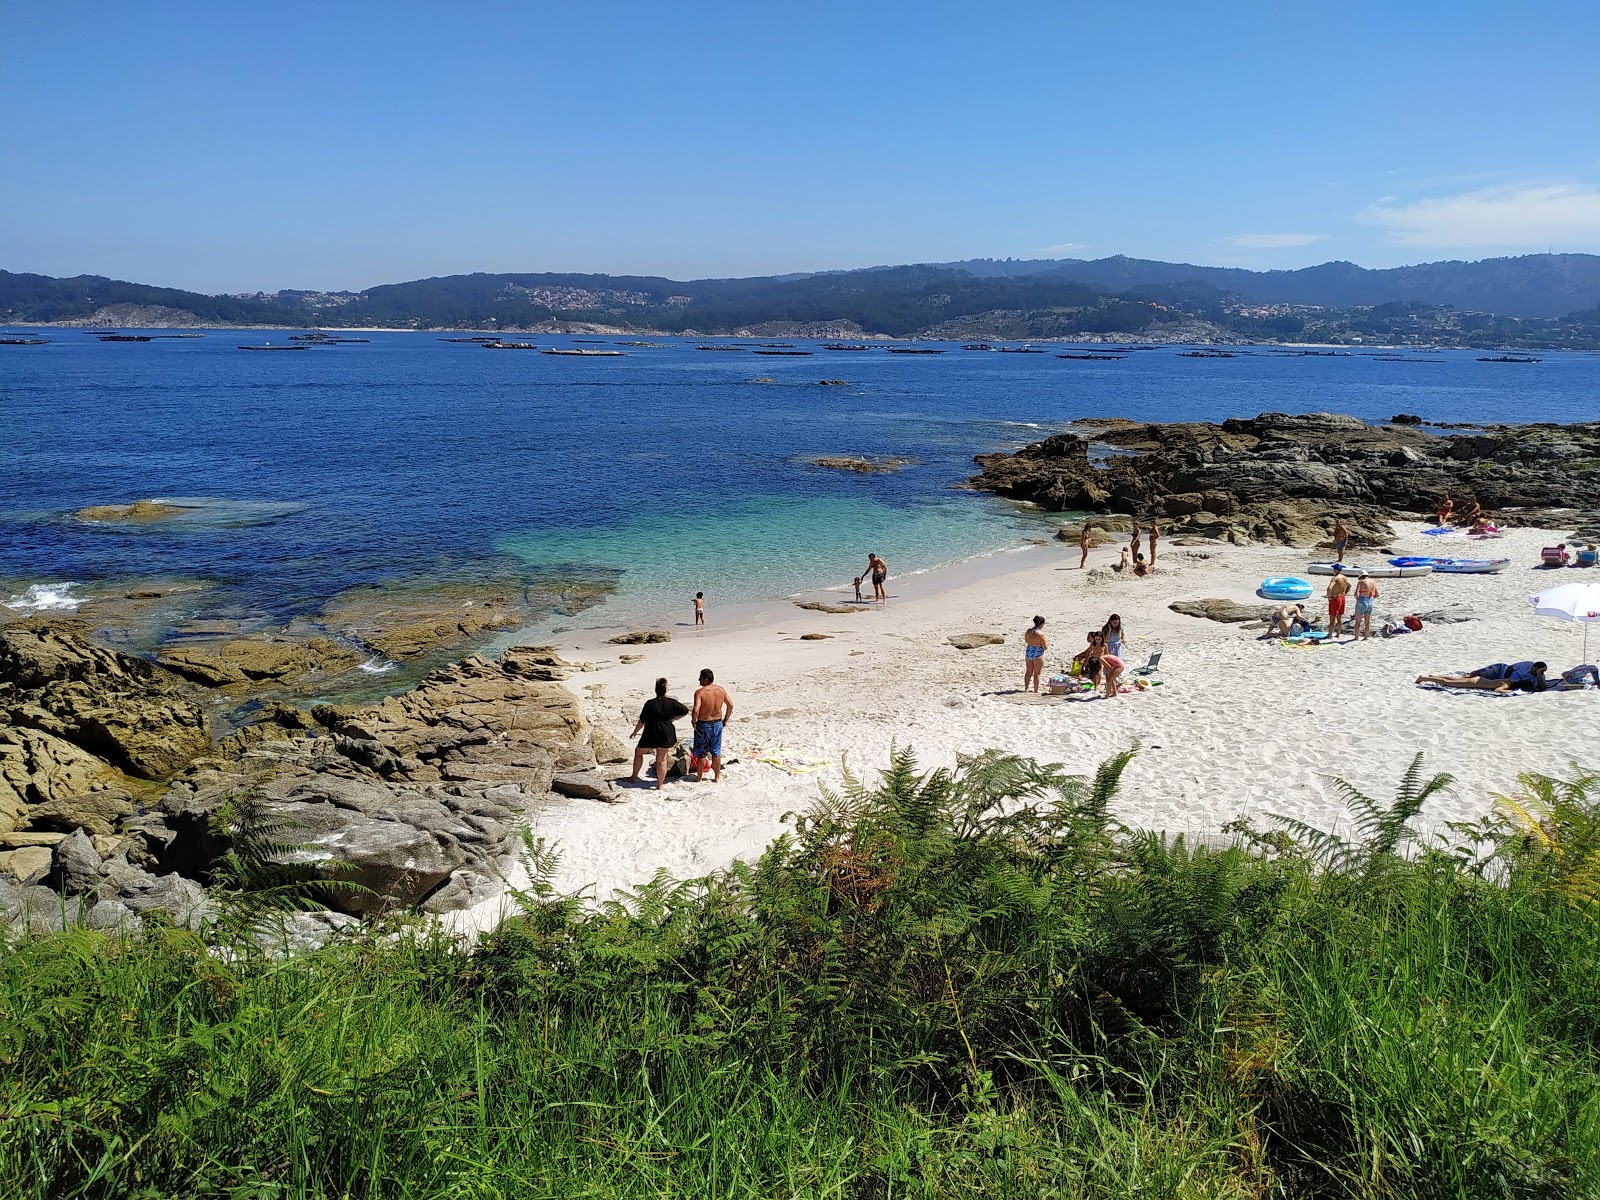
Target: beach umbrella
{"x":1570,"y":602}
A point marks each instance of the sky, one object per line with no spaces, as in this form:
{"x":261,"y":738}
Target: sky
{"x":237,"y":146}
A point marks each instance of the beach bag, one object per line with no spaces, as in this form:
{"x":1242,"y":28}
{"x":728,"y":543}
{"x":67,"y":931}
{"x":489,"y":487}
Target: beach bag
{"x":1554,"y":556}
{"x":1414,"y":623}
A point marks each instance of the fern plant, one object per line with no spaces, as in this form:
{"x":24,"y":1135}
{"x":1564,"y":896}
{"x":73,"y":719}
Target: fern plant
{"x":1552,"y":828}
{"x":1381,"y":831}
{"x":263,"y":873}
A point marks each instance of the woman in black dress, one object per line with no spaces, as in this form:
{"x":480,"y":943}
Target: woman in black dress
{"x":660,"y":735}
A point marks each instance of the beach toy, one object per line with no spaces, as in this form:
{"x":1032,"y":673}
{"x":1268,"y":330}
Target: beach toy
{"x":1284,"y":587}
{"x":1385,"y":572}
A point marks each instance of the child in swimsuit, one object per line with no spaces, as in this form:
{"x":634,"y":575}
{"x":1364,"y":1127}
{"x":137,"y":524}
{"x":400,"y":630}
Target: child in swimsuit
{"x":1111,"y":668}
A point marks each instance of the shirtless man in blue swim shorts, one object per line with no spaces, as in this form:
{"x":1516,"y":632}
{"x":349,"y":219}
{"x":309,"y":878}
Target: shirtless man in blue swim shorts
{"x":1034,"y":646}
{"x":713,"y":709}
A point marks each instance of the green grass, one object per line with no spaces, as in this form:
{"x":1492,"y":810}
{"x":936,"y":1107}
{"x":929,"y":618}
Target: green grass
{"x":966,"y":983}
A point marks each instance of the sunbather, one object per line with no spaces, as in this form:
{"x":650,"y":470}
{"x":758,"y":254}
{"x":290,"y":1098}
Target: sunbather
{"x":1288,"y":619}
{"x":1496,"y":677}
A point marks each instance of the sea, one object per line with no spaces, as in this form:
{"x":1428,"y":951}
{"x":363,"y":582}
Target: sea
{"x":410,"y":459}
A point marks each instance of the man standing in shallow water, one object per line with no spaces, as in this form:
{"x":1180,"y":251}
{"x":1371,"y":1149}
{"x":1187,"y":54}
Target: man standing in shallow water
{"x":879,"y":570}
{"x":713,"y":709}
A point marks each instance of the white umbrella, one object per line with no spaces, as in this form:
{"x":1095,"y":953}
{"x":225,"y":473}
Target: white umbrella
{"x":1570,"y":602}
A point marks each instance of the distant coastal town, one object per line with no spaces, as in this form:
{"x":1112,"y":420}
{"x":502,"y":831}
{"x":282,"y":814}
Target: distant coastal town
{"x":1535,"y":302}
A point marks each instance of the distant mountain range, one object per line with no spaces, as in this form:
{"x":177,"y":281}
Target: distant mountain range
{"x":1533,"y":285}
{"x":1538,"y":299}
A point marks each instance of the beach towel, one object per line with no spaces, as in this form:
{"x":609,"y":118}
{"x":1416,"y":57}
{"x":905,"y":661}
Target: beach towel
{"x":1439,"y":687}
{"x":790,"y":762}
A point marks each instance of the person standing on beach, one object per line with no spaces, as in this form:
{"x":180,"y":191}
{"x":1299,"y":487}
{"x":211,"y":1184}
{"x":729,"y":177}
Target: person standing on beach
{"x":713,"y":709}
{"x":1133,"y":539}
{"x":660,"y":734}
{"x":1366,"y":600}
{"x":699,"y":608}
{"x":1083,"y":544}
{"x":1338,"y":589}
{"x":1155,"y":533}
{"x":879,"y":570}
{"x":1341,"y":539}
{"x":1034,"y":646}
{"x":1111,"y":635}
{"x":1111,"y":667}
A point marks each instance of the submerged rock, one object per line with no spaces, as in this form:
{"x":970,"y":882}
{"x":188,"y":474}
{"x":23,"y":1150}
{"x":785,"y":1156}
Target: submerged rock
{"x":858,"y":464}
{"x":140,"y":512}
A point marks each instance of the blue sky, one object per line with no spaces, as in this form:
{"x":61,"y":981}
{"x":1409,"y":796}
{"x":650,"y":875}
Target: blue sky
{"x":234,"y":146}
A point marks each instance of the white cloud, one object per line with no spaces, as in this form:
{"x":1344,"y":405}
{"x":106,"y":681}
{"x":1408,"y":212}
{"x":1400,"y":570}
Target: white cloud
{"x":1519,"y":215}
{"x":1273,"y":241}
{"x":1061,"y":248}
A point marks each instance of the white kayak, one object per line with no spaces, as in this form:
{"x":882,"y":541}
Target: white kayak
{"x":1384,"y":572}
{"x":1454,"y":566}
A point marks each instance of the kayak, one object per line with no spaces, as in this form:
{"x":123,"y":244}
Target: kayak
{"x":1455,"y":566}
{"x":1284,"y":587}
{"x":1385,"y":572}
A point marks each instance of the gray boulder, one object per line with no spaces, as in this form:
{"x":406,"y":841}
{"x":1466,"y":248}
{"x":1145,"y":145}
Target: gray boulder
{"x":397,"y":863}
{"x":1227,"y":611}
{"x":584,"y":785}
{"x":972,"y":641}
{"x":75,"y":868}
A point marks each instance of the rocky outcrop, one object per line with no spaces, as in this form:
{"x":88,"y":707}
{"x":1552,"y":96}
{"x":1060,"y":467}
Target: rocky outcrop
{"x":859,"y":465}
{"x":972,"y":641}
{"x":401,"y":623}
{"x":1217,"y":608}
{"x":263,"y":659}
{"x":1284,"y":478}
{"x":415,"y":799}
{"x":641,"y":637}
{"x":133,"y":714}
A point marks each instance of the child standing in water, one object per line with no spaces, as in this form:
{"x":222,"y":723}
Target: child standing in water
{"x":858,"y":589}
{"x":699,"y":608}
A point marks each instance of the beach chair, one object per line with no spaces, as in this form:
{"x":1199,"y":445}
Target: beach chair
{"x":1150,"y":667}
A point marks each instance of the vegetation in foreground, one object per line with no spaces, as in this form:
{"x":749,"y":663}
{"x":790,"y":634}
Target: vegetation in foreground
{"x":953,"y":984}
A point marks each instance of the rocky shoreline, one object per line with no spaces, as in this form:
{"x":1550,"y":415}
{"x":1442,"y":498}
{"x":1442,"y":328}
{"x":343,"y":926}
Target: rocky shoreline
{"x":1286,"y":478}
{"x":110,"y":782}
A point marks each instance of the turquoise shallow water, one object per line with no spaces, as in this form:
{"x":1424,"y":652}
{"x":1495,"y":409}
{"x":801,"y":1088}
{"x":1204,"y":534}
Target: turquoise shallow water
{"x":738,"y":551}
{"x":669,"y":470}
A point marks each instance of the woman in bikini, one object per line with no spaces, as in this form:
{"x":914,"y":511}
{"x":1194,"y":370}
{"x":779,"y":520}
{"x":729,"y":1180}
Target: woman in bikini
{"x":1034,"y":644}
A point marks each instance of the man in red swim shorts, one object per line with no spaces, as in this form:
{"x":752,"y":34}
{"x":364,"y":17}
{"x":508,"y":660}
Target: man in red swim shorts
{"x":1338,"y":589}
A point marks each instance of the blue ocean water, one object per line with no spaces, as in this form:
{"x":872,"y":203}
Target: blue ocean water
{"x":668,"y":470}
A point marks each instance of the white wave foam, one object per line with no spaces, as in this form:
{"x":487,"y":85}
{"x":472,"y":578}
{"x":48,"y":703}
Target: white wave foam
{"x":46,"y":597}
{"x":379,"y":666}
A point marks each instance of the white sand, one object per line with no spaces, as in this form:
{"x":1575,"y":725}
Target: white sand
{"x":1239,"y":726}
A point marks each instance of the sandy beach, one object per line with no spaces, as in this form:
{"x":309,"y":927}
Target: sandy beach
{"x":1239,"y":726}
